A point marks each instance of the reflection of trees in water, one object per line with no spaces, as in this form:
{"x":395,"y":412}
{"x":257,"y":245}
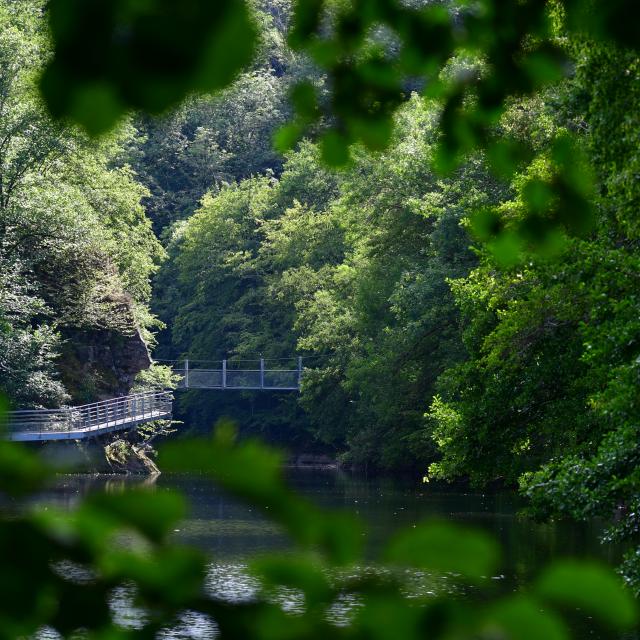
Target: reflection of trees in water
{"x":67,"y":491}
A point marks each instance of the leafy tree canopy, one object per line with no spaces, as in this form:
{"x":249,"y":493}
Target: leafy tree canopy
{"x":112,"y":56}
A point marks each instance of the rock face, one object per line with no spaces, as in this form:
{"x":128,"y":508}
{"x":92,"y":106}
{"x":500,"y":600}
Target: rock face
{"x":99,"y":360}
{"x":101,"y":364}
{"x":103,"y":348}
{"x":122,"y":454}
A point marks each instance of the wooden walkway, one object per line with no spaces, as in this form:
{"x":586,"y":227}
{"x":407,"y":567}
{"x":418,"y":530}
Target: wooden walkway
{"x":89,"y":420}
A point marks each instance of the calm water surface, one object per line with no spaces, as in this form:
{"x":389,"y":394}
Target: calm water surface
{"x":232,"y":533}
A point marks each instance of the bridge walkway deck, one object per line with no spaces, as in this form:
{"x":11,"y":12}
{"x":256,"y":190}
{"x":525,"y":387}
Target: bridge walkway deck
{"x":90,"y":420}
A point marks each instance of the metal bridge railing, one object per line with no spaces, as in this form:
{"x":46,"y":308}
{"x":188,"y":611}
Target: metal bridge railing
{"x":194,"y":376}
{"x":117,"y":412}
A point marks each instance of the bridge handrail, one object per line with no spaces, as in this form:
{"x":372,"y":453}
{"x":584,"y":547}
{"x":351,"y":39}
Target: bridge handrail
{"x":38,"y":411}
{"x":247,"y":378}
{"x":104,"y":412}
{"x":120,"y":398}
{"x":109,"y":401}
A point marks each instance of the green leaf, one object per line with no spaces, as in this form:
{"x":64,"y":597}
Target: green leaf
{"x":27,"y":588}
{"x":228,"y":47}
{"x":297,"y":572}
{"x":253,"y":472}
{"x":486,"y":224}
{"x":611,"y":21}
{"x":21,"y":470}
{"x":305,"y":22}
{"x":506,"y":248}
{"x":385,"y":616}
{"x":286,"y":136}
{"x":173,"y":575}
{"x":538,"y":195}
{"x":521,"y":618}
{"x":96,"y":106}
{"x":81,"y":606}
{"x":154,"y":514}
{"x":305,"y":102}
{"x":374,"y":133}
{"x":443,"y":546}
{"x":590,"y":587}
{"x":113,"y":55}
{"x":335,"y":148}
{"x":506,"y":155}
{"x":545,"y":65}
{"x":249,"y":469}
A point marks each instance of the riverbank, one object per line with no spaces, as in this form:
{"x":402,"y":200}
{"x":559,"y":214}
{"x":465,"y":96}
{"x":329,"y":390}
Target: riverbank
{"x":114,"y":454}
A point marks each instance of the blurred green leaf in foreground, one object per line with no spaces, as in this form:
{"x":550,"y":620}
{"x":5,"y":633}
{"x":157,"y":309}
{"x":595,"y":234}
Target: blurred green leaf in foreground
{"x":60,"y":570}
{"x":471,"y":59}
{"x":113,"y":55}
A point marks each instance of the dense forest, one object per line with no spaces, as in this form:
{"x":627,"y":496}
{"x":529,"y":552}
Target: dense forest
{"x":76,"y":246}
{"x":432,"y":346}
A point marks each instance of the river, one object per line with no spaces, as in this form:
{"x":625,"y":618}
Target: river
{"x":232,"y":533}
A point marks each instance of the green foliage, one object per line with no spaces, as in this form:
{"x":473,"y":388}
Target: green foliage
{"x":549,"y":393}
{"x":169,"y":50}
{"x":28,"y":360}
{"x":238,"y":244}
{"x":525,"y":348}
{"x":471,"y":59}
{"x":445,"y":547}
{"x":61,"y":569}
{"x":582,"y":585}
{"x":208,"y":143}
{"x":20,"y":473}
{"x":76,"y":248}
{"x":354,"y":266}
{"x":523,"y":379}
{"x":335,"y":535}
{"x":157,"y":377}
{"x":212,"y":140}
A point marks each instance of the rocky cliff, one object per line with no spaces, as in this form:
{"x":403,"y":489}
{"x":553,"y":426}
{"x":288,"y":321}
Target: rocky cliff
{"x":100,"y":359}
{"x":101,"y":364}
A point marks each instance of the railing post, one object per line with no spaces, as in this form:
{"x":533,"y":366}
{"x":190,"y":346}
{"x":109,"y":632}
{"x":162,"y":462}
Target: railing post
{"x":262,"y":373}
{"x":299,"y":370}
{"x":186,"y":373}
{"x":224,"y":374}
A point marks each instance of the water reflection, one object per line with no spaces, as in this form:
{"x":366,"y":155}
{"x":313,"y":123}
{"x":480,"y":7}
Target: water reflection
{"x":231,"y":531}
{"x":232,"y":534}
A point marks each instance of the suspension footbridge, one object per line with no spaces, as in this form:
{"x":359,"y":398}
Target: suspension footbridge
{"x":128,"y":412}
{"x":248,"y":375}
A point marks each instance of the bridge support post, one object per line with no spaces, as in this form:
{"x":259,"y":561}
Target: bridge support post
{"x":262,"y":373}
{"x":224,"y":374}
{"x":299,"y":371}
{"x":186,"y":373}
